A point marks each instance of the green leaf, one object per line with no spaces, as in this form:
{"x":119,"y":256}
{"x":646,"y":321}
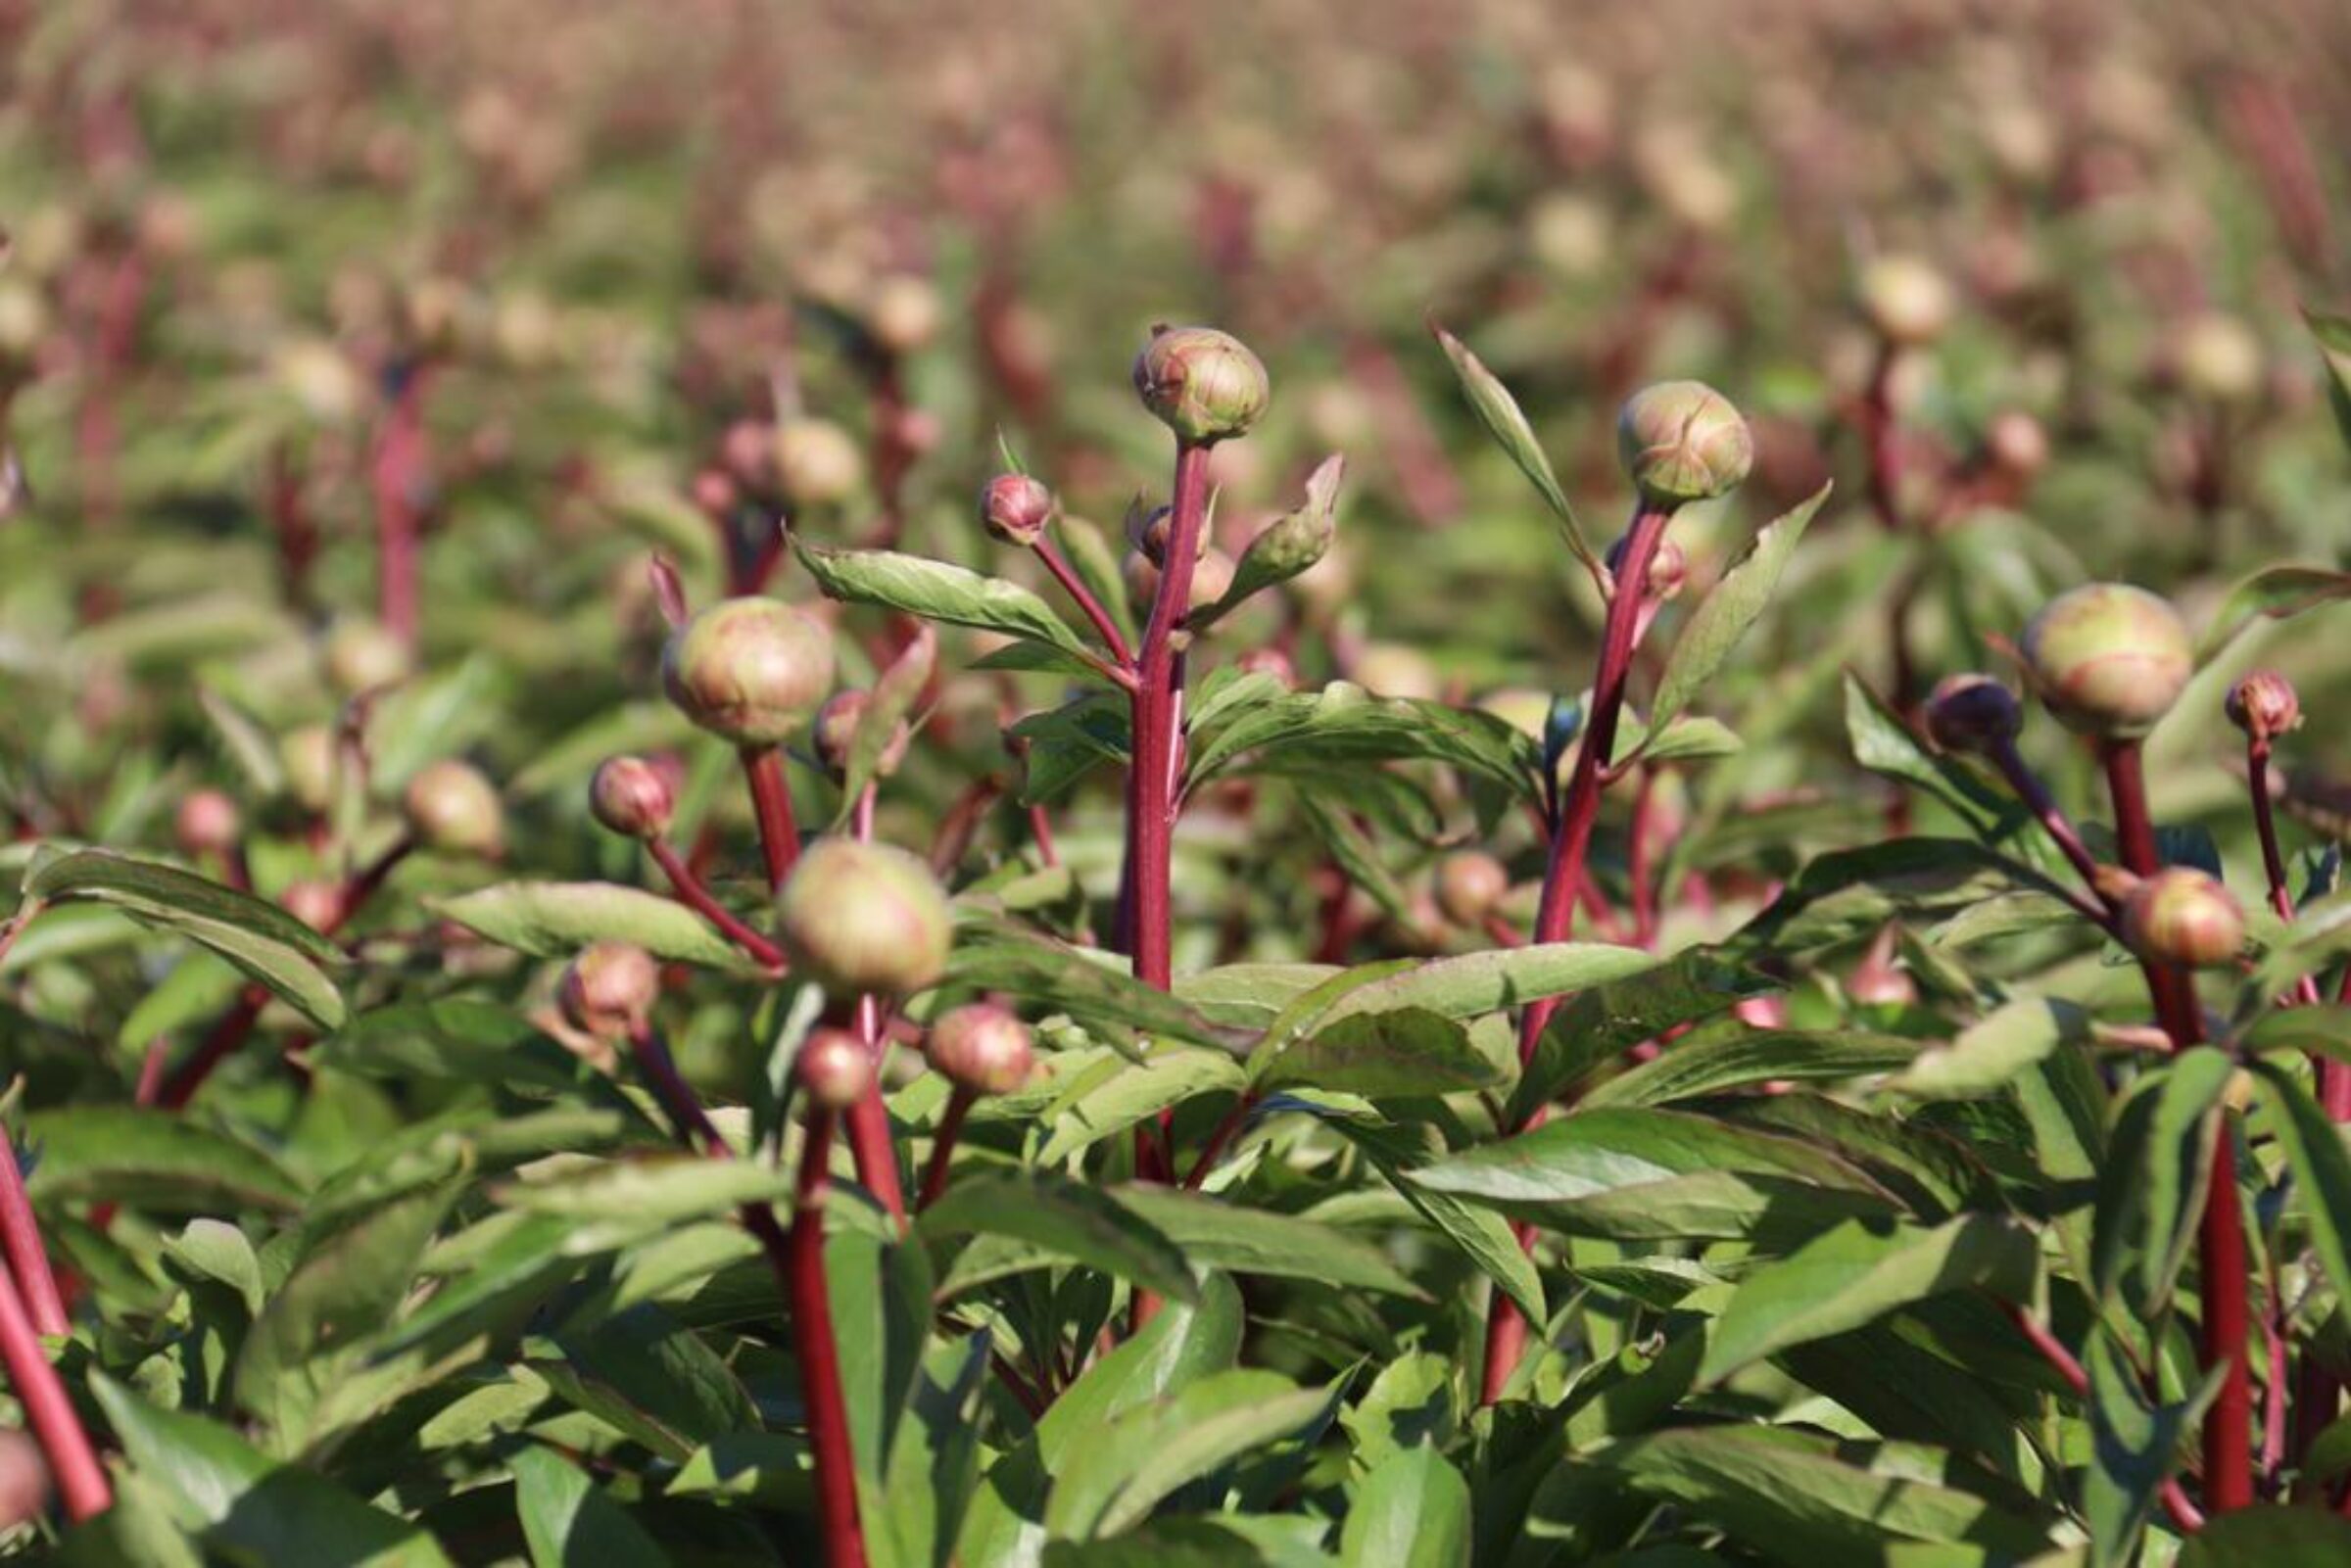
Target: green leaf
{"x":1989,"y":1054}
{"x":1483,"y":1236}
{"x":890,"y":704}
{"x":149,"y":1159}
{"x":880,"y":1288}
{"x":1309,"y":731}
{"x":1736,"y":1059}
{"x":935,"y":591}
{"x":995,"y":955}
{"x":1132,"y":1094}
{"x":567,"y":1522}
{"x":1851,"y":1276}
{"x":249,"y":1505}
{"x":271,"y":946}
{"x":2333,"y":335}
{"x":651,"y":1378}
{"x":1849,"y":895}
{"x":1403,"y":1051}
{"x":609,"y":1205}
{"x":1284,"y":547}
{"x":555,"y":920}
{"x":1499,"y":412}
{"x":1722,"y":619}
{"x":2271,"y":1534}
{"x":1475,"y":983}
{"x":2273,"y":593}
{"x":1214,"y":1234}
{"x":1884,"y":744}
{"x":1066,"y":1216}
{"x":2151,"y":1186}
{"x":1605,"y":1021}
{"x":2314,"y":1151}
{"x":1063,"y":745}
{"x":2134,"y":1447}
{"x":1412,"y":1511}
{"x":1149,"y":1452}
{"x":935,"y":1463}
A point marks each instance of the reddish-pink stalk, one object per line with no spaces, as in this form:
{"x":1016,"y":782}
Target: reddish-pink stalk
{"x":2175,"y":1501}
{"x":818,"y":1358}
{"x":2036,"y":795}
{"x":80,"y":1478}
{"x":14,"y":927}
{"x":943,"y":1148}
{"x":21,"y":1243}
{"x":2272,"y":863}
{"x":771,"y":803}
{"x":1074,"y":586}
{"x":1218,"y":1140}
{"x":695,"y":896}
{"x":2225,"y":1326}
{"x":871,"y":1144}
{"x":396,"y":477}
{"x":1579,"y":813}
{"x":233,"y":1030}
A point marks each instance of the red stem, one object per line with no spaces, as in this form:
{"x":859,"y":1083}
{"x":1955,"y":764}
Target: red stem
{"x":818,"y":1358}
{"x":2036,"y":795}
{"x":1218,"y":1140}
{"x":1579,"y":812}
{"x":695,"y":896}
{"x":80,"y":1478}
{"x":943,"y":1148}
{"x":771,"y":802}
{"x":219,"y":1043}
{"x":2225,"y":1324}
{"x":396,"y":477}
{"x":21,"y":1243}
{"x":1074,"y":586}
{"x":2272,"y":863}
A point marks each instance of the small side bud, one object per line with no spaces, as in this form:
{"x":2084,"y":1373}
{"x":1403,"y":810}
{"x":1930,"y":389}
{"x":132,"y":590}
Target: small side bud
{"x":981,"y":1048}
{"x":865,"y":919}
{"x":307,"y":757}
{"x":2108,"y":659}
{"x":1972,"y":713}
{"x":1204,"y":385}
{"x":316,"y":904}
{"x":903,"y":313}
{"x":2217,"y":358}
{"x":1668,"y":569}
{"x":2016,"y":444}
{"x":1906,"y":299}
{"x":1470,"y":885}
{"x":835,"y":732}
{"x":2265,"y":705}
{"x":451,"y":808}
{"x":1015,"y":509}
{"x":208,"y":822}
{"x":2182,"y":917}
{"x":817,"y":462}
{"x":609,"y":990}
{"x":751,"y":670}
{"x":1212,"y":575}
{"x":1682,"y":441}
{"x":363,"y":655}
{"x":835,"y":1069}
{"x":632,"y":796}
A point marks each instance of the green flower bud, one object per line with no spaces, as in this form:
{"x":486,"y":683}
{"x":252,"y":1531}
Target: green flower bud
{"x":308,"y":756}
{"x":453,"y":808}
{"x":1682,"y":441}
{"x":751,"y":670}
{"x":903,"y":313}
{"x":363,"y":655}
{"x":609,"y":990}
{"x":1203,"y":384}
{"x":1014,"y":509}
{"x":981,"y":1048}
{"x":2108,"y":659}
{"x":835,"y":1069}
{"x":2218,"y":358}
{"x":633,"y":797}
{"x":2182,"y":917}
{"x":1469,"y":883}
{"x":1972,"y":713}
{"x":2265,"y":705}
{"x":861,"y":918}
{"x":817,"y":462}
{"x":1907,"y":299}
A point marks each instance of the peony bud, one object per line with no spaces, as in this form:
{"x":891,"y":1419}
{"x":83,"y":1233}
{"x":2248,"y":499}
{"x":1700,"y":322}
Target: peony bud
{"x":817,"y":462}
{"x":1682,"y":441}
{"x":208,"y":822}
{"x":862,"y":917}
{"x":2182,"y":917}
{"x":2108,"y":659}
{"x":453,"y":808}
{"x":1469,"y":883}
{"x":308,"y":756}
{"x":1668,"y":569}
{"x":2016,"y":444}
{"x":903,"y":313}
{"x":747,"y":452}
{"x":1908,"y":301}
{"x":1212,"y":575}
{"x":633,"y":797}
{"x":2265,"y":705}
{"x":1972,"y":713}
{"x":609,"y":989}
{"x":1014,"y":509}
{"x":1203,"y":384}
{"x":316,"y":904}
{"x":835,"y":1069}
{"x":2218,"y":358}
{"x":981,"y":1048}
{"x":362,"y":655}
{"x":751,"y":670}
{"x":835,"y":732}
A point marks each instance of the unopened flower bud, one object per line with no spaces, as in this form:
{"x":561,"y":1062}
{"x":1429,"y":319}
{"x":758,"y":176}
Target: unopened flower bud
{"x":208,"y":822}
{"x":1668,"y":568}
{"x":2016,"y":444}
{"x":1469,"y":883}
{"x":751,"y":670}
{"x":316,"y":904}
{"x":1212,"y":575}
{"x":835,"y":1069}
{"x":903,"y":313}
{"x":1014,"y":509}
{"x":1906,"y":299}
{"x":2218,"y":358}
{"x":836,"y":731}
{"x":1682,"y":441}
{"x":1203,"y":384}
{"x":363,"y":655}
{"x":609,"y":990}
{"x":308,"y":756}
{"x":865,"y":917}
{"x":450,"y":807}
{"x":981,"y":1048}
{"x":817,"y":462}
{"x":2265,"y":705}
{"x":2108,"y":659}
{"x":2182,"y":917}
{"x":1972,"y":713}
{"x":747,"y":452}
{"x":633,"y":797}
{"x":1147,"y":532}
{"x":715,"y":494}
{"x":2113,"y":885}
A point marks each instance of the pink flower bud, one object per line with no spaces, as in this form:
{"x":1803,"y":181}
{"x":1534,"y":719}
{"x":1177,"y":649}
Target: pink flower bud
{"x":981,"y":1048}
{"x":633,"y":797}
{"x":835,"y":1069}
{"x":609,"y":990}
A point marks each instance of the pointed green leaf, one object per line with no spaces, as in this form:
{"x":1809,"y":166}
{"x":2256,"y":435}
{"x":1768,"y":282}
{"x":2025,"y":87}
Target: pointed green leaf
{"x":1723,"y":617}
{"x":1499,"y":412}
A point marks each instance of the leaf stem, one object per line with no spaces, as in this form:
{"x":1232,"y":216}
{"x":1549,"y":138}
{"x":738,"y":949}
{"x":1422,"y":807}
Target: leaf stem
{"x":49,"y":1410}
{"x":771,"y":804}
{"x":21,"y":1245}
{"x":695,"y":896}
{"x":1074,"y":586}
{"x":943,"y":1148}
{"x":818,"y":1355}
